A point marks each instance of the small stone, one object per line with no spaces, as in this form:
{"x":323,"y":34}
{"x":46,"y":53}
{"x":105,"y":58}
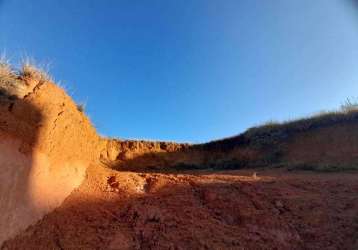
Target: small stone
{"x":278,"y":204}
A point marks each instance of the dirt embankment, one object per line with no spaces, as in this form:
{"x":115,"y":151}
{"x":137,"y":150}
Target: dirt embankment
{"x":333,"y":147}
{"x":131,"y":153}
{"x":46,"y":146}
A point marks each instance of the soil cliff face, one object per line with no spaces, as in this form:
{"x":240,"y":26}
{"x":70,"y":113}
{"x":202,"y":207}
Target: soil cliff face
{"x":46,"y":146}
{"x":329,"y":142}
{"x":335,"y":145}
{"x":136,"y":155}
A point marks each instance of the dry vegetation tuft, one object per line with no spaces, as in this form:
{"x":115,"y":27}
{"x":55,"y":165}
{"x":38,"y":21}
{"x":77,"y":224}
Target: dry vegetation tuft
{"x":17,"y":83}
{"x":12,"y":82}
{"x":349,"y":105}
{"x":29,"y":70}
{"x":81,"y":107}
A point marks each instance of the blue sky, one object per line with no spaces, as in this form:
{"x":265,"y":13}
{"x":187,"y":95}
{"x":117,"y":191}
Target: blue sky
{"x":190,"y":70}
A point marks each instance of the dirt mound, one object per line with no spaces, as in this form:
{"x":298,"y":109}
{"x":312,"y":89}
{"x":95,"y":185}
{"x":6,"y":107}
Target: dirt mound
{"x":45,"y":147}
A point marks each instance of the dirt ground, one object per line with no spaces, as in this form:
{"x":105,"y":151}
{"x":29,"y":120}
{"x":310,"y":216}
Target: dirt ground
{"x":276,"y":209}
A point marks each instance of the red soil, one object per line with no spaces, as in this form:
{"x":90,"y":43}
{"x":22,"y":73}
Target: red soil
{"x":46,"y":145}
{"x":202,"y":210}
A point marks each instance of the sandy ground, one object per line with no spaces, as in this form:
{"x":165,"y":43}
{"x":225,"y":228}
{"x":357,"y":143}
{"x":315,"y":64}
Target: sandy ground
{"x":276,"y":209}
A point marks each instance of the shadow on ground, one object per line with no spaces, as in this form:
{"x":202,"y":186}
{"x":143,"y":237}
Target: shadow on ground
{"x":156,"y":211}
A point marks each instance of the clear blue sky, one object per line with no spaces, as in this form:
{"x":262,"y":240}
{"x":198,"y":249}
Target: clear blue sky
{"x":190,"y":70}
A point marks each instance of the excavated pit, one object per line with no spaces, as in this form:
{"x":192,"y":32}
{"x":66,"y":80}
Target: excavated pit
{"x":64,"y":187}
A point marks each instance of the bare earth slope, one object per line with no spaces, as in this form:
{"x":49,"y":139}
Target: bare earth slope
{"x":45,"y":147}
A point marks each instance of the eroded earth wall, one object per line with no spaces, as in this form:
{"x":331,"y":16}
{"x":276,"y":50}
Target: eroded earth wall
{"x":46,"y":144}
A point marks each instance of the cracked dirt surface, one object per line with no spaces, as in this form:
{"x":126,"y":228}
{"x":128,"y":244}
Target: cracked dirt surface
{"x":202,"y":210}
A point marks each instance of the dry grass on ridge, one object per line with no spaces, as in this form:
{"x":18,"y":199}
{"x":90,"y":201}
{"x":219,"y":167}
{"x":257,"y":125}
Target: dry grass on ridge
{"x":273,"y":132}
{"x":12,"y":80}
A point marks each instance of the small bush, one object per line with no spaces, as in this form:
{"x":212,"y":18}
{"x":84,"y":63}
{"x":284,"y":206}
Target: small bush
{"x":349,"y":105}
{"x":81,"y":107}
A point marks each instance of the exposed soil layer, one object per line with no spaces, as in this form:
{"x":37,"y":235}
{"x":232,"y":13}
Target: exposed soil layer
{"x":274,"y":209}
{"x":46,"y":145}
{"x":326,"y":147}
